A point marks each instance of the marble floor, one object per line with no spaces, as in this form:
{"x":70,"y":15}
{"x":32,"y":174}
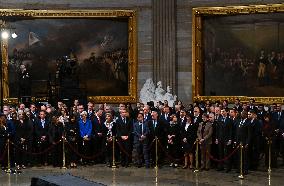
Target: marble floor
{"x":141,"y":176}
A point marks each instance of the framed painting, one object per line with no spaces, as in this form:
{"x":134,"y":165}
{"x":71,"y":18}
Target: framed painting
{"x":238,"y":51}
{"x":70,"y":54}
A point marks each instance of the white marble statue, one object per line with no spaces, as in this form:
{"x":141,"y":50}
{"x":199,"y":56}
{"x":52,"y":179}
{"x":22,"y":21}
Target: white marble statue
{"x":169,"y":97}
{"x":150,"y":93}
{"x":147,"y":92}
{"x":159,"y":92}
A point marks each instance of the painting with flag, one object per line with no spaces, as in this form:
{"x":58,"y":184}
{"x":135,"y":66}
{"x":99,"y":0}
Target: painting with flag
{"x":79,"y":56}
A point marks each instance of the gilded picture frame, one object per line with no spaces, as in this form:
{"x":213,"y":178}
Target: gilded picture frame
{"x":128,"y":17}
{"x":199,"y":16}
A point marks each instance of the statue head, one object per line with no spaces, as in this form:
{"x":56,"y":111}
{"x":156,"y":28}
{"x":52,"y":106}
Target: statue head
{"x":169,"y":89}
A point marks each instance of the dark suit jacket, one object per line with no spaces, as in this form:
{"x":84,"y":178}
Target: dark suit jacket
{"x":160,"y":131}
{"x":123,"y":129}
{"x":182,"y":122}
{"x":39,"y":130}
{"x":242,"y":134}
{"x":224,"y":130}
{"x":163,"y":117}
{"x":98,"y":125}
{"x":148,"y":117}
{"x":137,"y":131}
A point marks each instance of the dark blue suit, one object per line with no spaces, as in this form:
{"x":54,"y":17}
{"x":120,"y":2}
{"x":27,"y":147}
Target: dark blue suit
{"x":141,"y":146}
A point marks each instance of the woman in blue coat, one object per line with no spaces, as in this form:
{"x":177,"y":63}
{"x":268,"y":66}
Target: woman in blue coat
{"x":85,"y":127}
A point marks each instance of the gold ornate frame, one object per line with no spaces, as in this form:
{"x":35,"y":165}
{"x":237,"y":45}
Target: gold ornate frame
{"x":197,"y":61}
{"x":132,"y":46}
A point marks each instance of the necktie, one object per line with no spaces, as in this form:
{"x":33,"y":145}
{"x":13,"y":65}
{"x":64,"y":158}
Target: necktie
{"x":124,"y":120}
{"x":141,"y":125}
{"x":99,"y":120}
{"x":155,"y":123}
{"x":42,"y":123}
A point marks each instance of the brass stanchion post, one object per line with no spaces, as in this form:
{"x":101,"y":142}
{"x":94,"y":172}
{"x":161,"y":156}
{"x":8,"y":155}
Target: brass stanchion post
{"x":269,"y":155}
{"x":196,"y":156}
{"x":241,"y":176}
{"x":63,"y":153}
{"x":9,"y":171}
{"x":156,"y":152}
{"x":113,"y":153}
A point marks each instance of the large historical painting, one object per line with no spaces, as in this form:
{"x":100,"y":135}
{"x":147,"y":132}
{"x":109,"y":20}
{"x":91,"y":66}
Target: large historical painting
{"x":75,"y":56}
{"x":241,"y":53}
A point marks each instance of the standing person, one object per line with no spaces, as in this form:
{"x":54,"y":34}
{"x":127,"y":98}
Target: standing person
{"x":3,"y":139}
{"x":98,"y":138}
{"x":23,"y":139}
{"x":72,"y":136}
{"x":24,"y":82}
{"x":91,"y":112}
{"x":255,"y":136}
{"x":242,"y":136}
{"x":224,"y":139}
{"x":85,"y":126}
{"x":204,"y":134}
{"x":174,"y":140}
{"x":158,"y":128}
{"x":41,"y":126}
{"x":269,"y":134}
{"x":141,"y":140}
{"x":188,"y":135}
{"x":124,"y":129}
{"x":109,"y":132}
{"x":55,"y":133}
{"x":182,"y":117}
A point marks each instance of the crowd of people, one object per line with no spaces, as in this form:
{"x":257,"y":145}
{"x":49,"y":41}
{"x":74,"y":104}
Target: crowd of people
{"x":145,"y":135}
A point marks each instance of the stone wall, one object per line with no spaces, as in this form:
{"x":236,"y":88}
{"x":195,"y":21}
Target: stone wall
{"x":182,"y":66}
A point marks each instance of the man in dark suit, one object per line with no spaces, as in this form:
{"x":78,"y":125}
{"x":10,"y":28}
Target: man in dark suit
{"x":224,"y":139}
{"x":260,"y":112}
{"x":146,"y":113}
{"x":182,"y":117}
{"x":34,"y":112}
{"x":141,"y":140}
{"x":90,"y":111}
{"x":242,"y":136}
{"x":238,"y":105}
{"x":251,"y":105}
{"x":254,"y":141}
{"x":98,"y":138}
{"x":278,"y":118}
{"x":158,"y":128}
{"x":124,"y":129}
{"x":165,"y":116}
{"x":197,"y":118}
{"x":41,"y":132}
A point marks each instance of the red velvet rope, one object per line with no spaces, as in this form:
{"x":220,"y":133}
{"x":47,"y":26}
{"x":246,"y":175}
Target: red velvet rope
{"x":82,"y":155}
{"x":225,"y":158}
{"x":35,"y":153}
